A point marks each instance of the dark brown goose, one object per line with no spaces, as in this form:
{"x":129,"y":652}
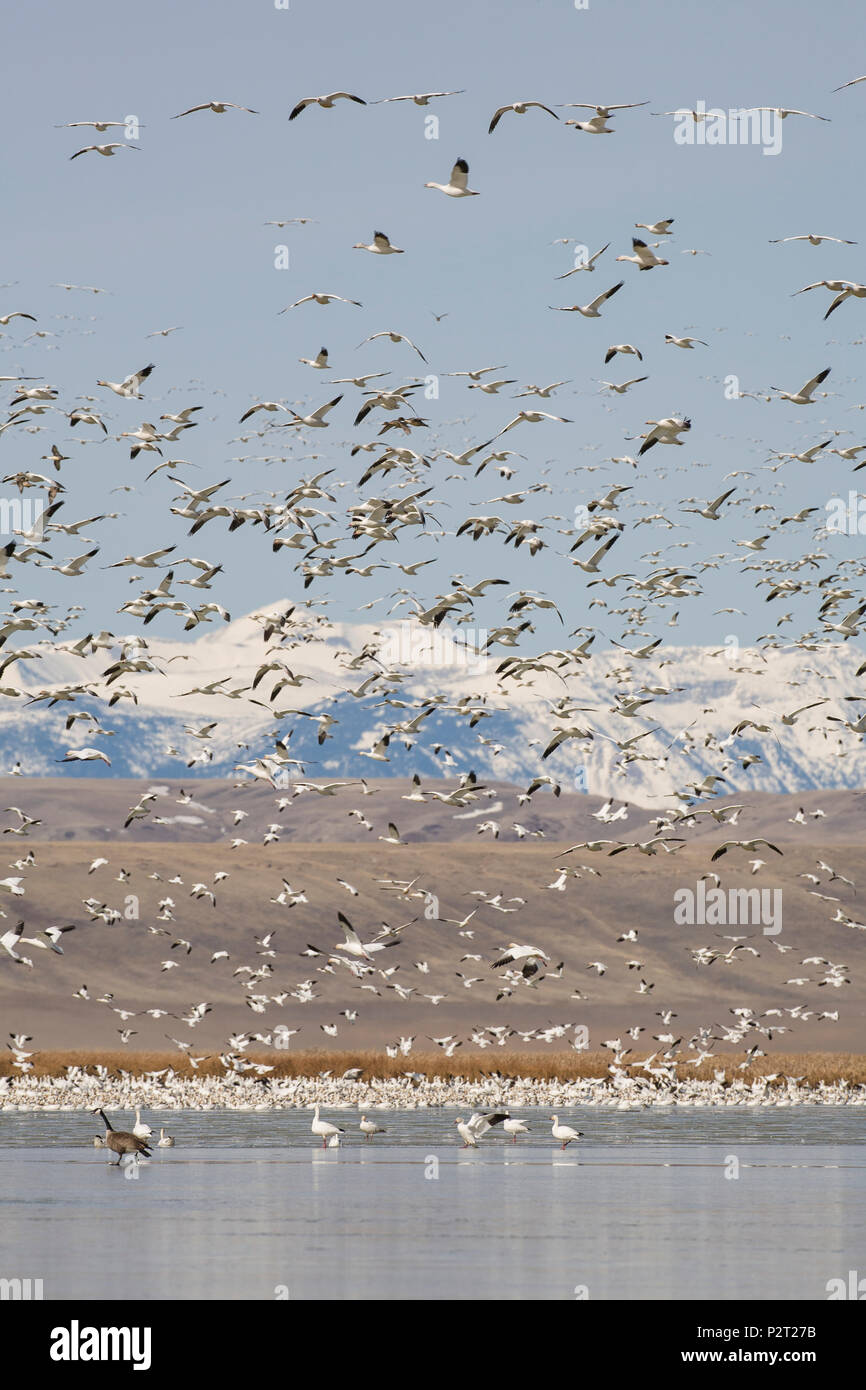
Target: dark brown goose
{"x":121,"y":1141}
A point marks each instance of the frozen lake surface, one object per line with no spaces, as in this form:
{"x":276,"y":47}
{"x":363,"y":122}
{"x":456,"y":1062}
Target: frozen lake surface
{"x":247,"y":1206}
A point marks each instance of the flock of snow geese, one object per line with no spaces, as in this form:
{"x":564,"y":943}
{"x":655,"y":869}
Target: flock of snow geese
{"x":306,"y":522}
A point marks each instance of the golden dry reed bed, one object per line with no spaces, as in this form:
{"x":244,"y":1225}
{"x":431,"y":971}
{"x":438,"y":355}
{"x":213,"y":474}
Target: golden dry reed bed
{"x":809,"y":1067}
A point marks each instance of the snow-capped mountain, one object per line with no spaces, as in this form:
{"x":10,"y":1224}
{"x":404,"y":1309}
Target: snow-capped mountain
{"x":692,"y":689}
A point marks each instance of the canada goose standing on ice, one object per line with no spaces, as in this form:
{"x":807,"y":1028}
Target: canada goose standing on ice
{"x":120,"y":1141}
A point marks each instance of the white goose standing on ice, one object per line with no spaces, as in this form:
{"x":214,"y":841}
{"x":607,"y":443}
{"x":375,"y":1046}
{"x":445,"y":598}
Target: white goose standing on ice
{"x":564,"y":1133}
{"x":515,"y":1127}
{"x":369,"y":1128}
{"x":324,"y":1130}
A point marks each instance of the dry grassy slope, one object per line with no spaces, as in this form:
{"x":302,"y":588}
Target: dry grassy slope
{"x":92,"y":808}
{"x":576,"y":926}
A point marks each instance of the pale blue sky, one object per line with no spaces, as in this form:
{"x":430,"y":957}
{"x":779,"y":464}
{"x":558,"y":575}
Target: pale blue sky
{"x":176,"y":233}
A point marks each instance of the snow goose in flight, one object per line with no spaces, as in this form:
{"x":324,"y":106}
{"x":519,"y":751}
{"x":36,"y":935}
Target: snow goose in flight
{"x":218,"y":107}
{"x":101,"y":126}
{"x":326,"y":102}
{"x":321,"y":297}
{"x":456,"y":185}
{"x":684,"y":342}
{"x":684,"y":111}
{"x":354,"y":946}
{"x":835,"y":286}
{"x":588,"y":264}
{"x":380,"y":246}
{"x":84,"y":755}
{"x":129,"y":387}
{"x":544,"y":391}
{"x":591,"y":310}
{"x":624,"y":348}
{"x":623,"y":386}
{"x":813,"y":238}
{"x":324,"y":1130}
{"x":711,"y":510}
{"x":564,"y":1132}
{"x":857,"y":291}
{"x":804,"y":395}
{"x":531,"y":417}
{"x":479,"y":372}
{"x":529,"y":958}
{"x":520,"y":108}
{"x":852,"y":83}
{"x":320,"y":360}
{"x":596,"y":126}
{"x":661,"y":228}
{"x":10,"y":939}
{"x":316,"y":419}
{"x":420,"y":98}
{"x":605,"y":111}
{"x":784,"y":111}
{"x":590,"y":566}
{"x":7,"y":318}
{"x":107,"y":150}
{"x":399,"y":338}
{"x":644,"y":258}
{"x":750,"y":845}
{"x":491,"y":387}
{"x":664,"y":432}
{"x":263,"y":405}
